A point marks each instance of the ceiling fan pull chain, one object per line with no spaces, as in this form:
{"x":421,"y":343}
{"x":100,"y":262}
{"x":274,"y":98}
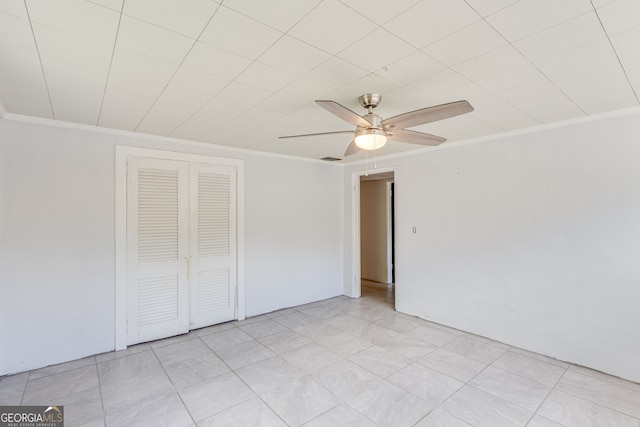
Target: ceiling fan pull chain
{"x":366,"y":163}
{"x":375,"y":162}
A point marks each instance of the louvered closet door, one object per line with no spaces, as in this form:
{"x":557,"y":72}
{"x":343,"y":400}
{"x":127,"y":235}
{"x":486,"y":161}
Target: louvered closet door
{"x":157,"y":249}
{"x":213,"y":244}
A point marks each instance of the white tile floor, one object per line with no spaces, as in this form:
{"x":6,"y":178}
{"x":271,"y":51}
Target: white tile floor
{"x":338,"y":362}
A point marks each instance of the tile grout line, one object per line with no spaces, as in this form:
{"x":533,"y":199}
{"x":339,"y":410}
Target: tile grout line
{"x":339,"y":309}
{"x":24,"y":390}
{"x":174,"y":386}
{"x":607,"y":378}
{"x":572,"y":394}
{"x":547,"y":396}
{"x":467,"y":383}
{"x":242,"y":380}
{"x":104,"y":413}
{"x":529,"y":379}
{"x":320,"y":320}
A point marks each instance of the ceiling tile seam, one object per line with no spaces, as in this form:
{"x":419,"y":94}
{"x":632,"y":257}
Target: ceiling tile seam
{"x":196,"y":39}
{"x":481,"y":18}
{"x":378,"y":27}
{"x":497,"y":94}
{"x":214,"y":97}
{"x":233,"y":80}
{"x":546,"y":56}
{"x":510,"y":43}
{"x":303,"y":17}
{"x":331,"y":56}
{"x":154,"y":24}
{"x":501,"y":126}
{"x":342,"y":50}
{"x":385,"y":22}
{"x":456,"y":31}
{"x":145,"y":55}
{"x":244,"y":69}
{"x":420,"y":51}
{"x":268,"y":47}
{"x":364,"y":70}
{"x":559,"y":24}
{"x":267,"y":25}
{"x":496,"y":11}
{"x":186,"y":55}
{"x":468,"y":58}
{"x":302,"y":77}
{"x":486,"y":53}
{"x":113,"y":51}
{"x":624,"y":70}
{"x":44,"y":76}
{"x":11,"y":14}
{"x":417,"y":48}
{"x":327,"y":52}
{"x":335,"y":56}
{"x":265,"y":99}
{"x":420,"y":48}
{"x":104,"y":6}
{"x":542,"y":30}
{"x":376,"y":72}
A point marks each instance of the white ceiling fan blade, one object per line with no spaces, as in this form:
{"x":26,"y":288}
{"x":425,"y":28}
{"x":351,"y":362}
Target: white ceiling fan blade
{"x":351,"y":149}
{"x":413,"y":137}
{"x":344,"y":113}
{"x":316,"y":134}
{"x":427,"y":115}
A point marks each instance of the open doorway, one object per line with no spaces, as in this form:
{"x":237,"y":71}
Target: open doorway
{"x":377,"y":238}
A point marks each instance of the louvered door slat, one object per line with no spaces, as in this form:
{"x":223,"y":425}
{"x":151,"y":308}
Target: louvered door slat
{"x":157,"y":215}
{"x":158,"y":220}
{"x":213,"y":214}
{"x":213,"y":290}
{"x":213,"y":245}
{"x":157,"y":300}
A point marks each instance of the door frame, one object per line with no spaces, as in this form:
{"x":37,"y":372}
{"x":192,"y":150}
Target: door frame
{"x":356,"y":290}
{"x":122,"y":153}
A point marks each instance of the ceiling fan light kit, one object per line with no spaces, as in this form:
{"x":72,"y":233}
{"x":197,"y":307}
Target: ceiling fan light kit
{"x":370,"y":139}
{"x":372,"y":132}
{"x":373,"y":136}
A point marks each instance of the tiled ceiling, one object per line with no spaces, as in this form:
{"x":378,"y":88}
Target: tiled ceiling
{"x":243,"y":72}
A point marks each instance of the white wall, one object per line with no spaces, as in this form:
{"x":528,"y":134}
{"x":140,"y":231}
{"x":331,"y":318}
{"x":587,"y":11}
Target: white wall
{"x":293,"y":233}
{"x":532,"y":240}
{"x":374,"y":231}
{"x":57,"y":211}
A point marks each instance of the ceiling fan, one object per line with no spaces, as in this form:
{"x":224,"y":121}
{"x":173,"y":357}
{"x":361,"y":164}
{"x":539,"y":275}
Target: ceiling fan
{"x":372,"y":132}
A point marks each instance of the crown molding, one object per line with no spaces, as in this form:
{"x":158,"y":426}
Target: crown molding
{"x":508,"y":134}
{"x":118,"y":133}
{"x":344,"y":163}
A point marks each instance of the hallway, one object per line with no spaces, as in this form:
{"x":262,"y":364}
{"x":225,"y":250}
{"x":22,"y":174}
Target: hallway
{"x":382,"y":292}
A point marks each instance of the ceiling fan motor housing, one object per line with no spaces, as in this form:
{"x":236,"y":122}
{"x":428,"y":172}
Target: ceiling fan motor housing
{"x":374,"y":119}
{"x":370,"y":100}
